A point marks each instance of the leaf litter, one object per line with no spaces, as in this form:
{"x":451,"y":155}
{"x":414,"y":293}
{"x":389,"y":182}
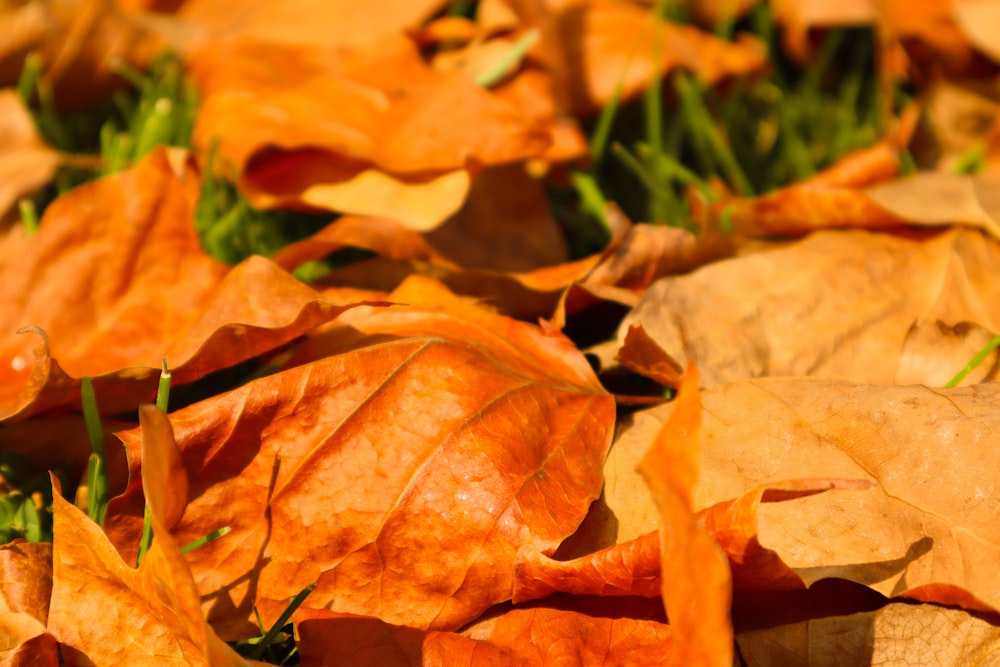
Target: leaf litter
{"x":422,"y":418}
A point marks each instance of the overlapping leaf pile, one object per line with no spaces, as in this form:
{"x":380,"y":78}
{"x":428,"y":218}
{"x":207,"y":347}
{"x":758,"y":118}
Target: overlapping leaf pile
{"x":422,"y":440}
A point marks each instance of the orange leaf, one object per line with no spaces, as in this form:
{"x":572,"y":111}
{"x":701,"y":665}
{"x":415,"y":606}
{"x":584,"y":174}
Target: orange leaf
{"x":26,"y":163}
{"x":335,"y":129}
{"x":401,"y":471}
{"x":608,"y":34}
{"x":134,"y":286}
{"x":571,"y":631}
{"x":697,"y":584}
{"x":25,"y":589}
{"x":97,"y":599}
{"x":312,"y":22}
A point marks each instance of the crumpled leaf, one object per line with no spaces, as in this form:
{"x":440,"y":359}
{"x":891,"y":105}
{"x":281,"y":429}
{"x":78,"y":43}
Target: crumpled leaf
{"x":117,"y":280}
{"x":341,"y":131}
{"x":97,"y":598}
{"x":870,"y":307}
{"x":944,"y":637}
{"x":401,"y":471}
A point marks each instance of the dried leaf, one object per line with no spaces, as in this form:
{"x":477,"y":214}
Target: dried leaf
{"x":924,"y":530}
{"x":308,"y":22}
{"x":119,"y":286}
{"x":945,"y":637}
{"x":401,"y":471}
{"x":77,"y":41}
{"x":593,"y":631}
{"x":25,"y":588}
{"x":870,"y":307}
{"x":93,"y":587}
{"x":599,"y":40}
{"x":26,"y":162}
{"x":697,"y":584}
{"x":389,"y":125}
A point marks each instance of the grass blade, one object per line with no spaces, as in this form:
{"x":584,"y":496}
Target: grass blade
{"x":162,"y":400}
{"x":268,"y":638}
{"x":205,"y":539}
{"x":505,"y":65}
{"x":97,"y":490}
{"x":975,"y":361}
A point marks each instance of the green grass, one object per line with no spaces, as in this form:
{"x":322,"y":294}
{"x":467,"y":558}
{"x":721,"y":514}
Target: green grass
{"x":755,"y":135}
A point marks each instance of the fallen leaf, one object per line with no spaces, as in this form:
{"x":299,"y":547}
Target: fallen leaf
{"x":696,"y":582}
{"x":945,"y":637}
{"x":870,"y":307}
{"x":596,"y":631}
{"x":604,"y":43}
{"x":114,"y":287}
{"x":925,"y":33}
{"x":26,"y":162}
{"x":307,"y":22}
{"x":76,"y":42}
{"x":97,"y":598}
{"x":25,"y":588}
{"x":926,"y":528}
{"x":389,"y":125}
{"x":401,"y":470}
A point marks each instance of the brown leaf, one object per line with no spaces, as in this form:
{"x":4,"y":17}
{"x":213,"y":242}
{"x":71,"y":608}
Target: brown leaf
{"x":929,"y":522}
{"x":640,"y":353}
{"x":401,"y":471}
{"x":97,"y":599}
{"x":945,"y":637}
{"x":117,"y":279}
{"x":870,"y":307}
